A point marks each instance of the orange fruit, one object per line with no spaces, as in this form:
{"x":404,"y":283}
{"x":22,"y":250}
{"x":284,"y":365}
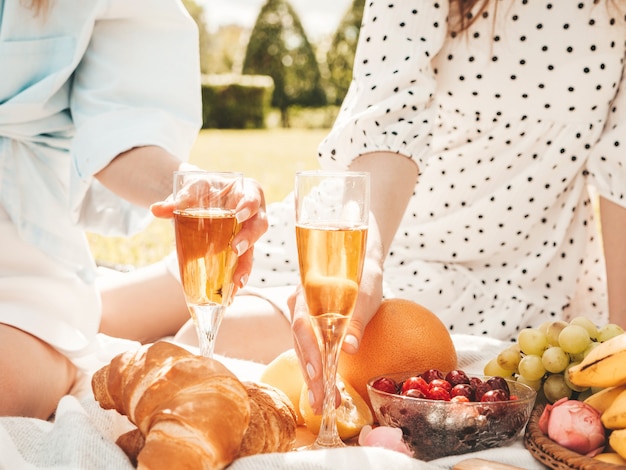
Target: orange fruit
{"x":285,"y":374}
{"x":351,"y":415}
{"x":403,"y":336}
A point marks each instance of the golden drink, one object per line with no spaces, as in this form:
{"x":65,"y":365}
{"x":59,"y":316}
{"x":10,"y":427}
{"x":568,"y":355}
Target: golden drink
{"x":331,"y":263}
{"x":205,"y":256}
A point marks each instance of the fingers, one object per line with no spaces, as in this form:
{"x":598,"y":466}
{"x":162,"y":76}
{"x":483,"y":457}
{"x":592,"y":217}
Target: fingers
{"x":306,"y":346}
{"x":244,"y":267}
{"x":163,"y":209}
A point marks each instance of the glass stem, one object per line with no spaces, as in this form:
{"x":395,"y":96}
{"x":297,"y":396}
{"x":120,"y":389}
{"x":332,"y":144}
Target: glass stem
{"x":207,"y":319}
{"x":330,"y":336}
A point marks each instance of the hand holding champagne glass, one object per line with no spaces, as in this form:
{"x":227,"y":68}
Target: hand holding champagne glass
{"x":205,"y":224}
{"x":332,"y":210}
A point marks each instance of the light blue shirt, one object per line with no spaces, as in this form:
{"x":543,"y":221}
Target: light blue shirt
{"x":79,"y":84}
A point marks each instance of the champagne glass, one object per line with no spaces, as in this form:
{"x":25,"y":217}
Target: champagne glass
{"x":205,"y":224}
{"x":332,"y":210}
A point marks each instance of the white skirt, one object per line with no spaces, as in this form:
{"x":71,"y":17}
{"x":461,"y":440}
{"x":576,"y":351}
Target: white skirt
{"x":41,"y":297}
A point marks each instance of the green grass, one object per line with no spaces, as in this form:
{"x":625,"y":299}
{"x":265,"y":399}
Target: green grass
{"x":270,"y":156}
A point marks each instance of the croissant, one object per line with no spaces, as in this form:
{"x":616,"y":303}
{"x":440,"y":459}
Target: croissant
{"x":191,"y":411}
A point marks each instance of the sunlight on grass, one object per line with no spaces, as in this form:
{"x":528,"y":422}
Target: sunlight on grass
{"x":270,"y":156}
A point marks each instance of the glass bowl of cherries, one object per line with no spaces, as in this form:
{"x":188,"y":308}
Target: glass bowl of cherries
{"x":451,"y":413}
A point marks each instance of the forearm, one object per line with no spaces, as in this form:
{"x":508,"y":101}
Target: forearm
{"x":142,"y":175}
{"x":613,"y":222}
{"x":393,"y":179}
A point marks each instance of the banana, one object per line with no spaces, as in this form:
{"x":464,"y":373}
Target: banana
{"x":610,"y":457}
{"x":604,"y":366}
{"x":617,"y":441}
{"x":614,"y":417}
{"x":602,"y":399}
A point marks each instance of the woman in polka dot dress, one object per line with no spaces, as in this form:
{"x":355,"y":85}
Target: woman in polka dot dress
{"x":511,"y":116}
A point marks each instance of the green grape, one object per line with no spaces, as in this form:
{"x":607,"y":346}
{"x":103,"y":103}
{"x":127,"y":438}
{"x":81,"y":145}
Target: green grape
{"x":532,"y":341}
{"x":587,"y":324}
{"x":509,"y":358}
{"x":544,"y":327}
{"x":555,"y":388}
{"x":574,"y":339}
{"x":531,"y":367}
{"x":582,"y":396}
{"x":593,"y":345}
{"x":534,"y":384}
{"x":576,"y":388}
{"x":555,"y":360}
{"x":493,"y":369}
{"x":553,"y":330}
{"x":608,"y":331}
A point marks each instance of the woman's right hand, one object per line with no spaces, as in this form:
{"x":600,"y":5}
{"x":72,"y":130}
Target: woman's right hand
{"x":305,"y":341}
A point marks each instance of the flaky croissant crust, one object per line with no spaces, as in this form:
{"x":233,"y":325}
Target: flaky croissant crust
{"x":191,"y":411}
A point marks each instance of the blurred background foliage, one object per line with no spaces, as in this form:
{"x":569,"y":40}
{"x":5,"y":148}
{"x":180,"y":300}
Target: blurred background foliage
{"x":267,"y":131}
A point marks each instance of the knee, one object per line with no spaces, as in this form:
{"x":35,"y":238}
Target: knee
{"x":33,"y":375}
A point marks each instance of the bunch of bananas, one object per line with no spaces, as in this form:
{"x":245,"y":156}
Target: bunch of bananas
{"x":604,"y":368}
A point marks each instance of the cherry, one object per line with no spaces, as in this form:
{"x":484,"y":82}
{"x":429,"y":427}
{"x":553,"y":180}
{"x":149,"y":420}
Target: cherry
{"x":462,"y":390}
{"x":460,"y":399}
{"x":440,"y":383}
{"x":432,"y":374}
{"x":414,"y":382}
{"x":499,"y":383}
{"x":438,"y":393}
{"x":480,"y":389}
{"x":456,"y":377}
{"x":385,"y":384}
{"x":494,"y":395}
{"x":415,"y":393}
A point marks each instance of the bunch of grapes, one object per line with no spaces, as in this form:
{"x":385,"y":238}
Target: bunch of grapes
{"x":541,"y":356}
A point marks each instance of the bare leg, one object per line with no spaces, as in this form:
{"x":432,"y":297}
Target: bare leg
{"x":33,"y":375}
{"x":252,"y":329}
{"x":143,"y":305}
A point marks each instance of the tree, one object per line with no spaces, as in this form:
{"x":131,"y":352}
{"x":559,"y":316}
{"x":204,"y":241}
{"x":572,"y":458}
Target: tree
{"x":340,"y":55}
{"x":278,"y":47}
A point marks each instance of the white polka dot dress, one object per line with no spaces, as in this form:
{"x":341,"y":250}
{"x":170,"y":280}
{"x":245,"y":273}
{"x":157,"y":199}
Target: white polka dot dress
{"x":515,"y":124}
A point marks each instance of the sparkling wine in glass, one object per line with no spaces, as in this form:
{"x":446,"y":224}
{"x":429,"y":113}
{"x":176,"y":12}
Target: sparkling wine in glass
{"x":205,"y":224}
{"x":332,"y":211}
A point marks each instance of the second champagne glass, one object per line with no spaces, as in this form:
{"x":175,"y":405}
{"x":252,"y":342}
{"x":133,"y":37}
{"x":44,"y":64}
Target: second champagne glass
{"x":205,"y":224}
{"x":332,"y":210}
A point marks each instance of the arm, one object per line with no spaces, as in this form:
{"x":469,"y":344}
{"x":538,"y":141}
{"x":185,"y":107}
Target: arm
{"x":613,"y":222}
{"x":142,"y":175}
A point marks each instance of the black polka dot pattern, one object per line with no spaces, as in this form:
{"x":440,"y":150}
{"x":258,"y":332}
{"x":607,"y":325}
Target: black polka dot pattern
{"x":510,"y":123}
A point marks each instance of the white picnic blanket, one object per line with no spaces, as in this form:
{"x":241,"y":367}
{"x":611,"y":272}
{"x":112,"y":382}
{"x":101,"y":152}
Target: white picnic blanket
{"x":82,"y":435}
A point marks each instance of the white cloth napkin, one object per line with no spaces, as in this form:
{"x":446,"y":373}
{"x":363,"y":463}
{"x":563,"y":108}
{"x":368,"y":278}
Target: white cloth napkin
{"x":82,"y":435}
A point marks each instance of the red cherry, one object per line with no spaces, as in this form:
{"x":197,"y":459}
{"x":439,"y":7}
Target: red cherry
{"x":494,"y":395}
{"x":456,"y":377}
{"x":414,"y":382}
{"x":462,"y":390}
{"x":498,"y":383}
{"x":432,"y":374}
{"x":385,"y":384}
{"x":440,"y":383}
{"x":460,"y":399}
{"x":415,"y":393}
{"x":438,"y":393}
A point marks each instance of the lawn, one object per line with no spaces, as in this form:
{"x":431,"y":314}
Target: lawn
{"x":270,"y":156}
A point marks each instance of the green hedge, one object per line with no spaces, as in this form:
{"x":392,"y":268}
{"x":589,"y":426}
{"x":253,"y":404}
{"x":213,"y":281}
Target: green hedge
{"x":236,"y":101}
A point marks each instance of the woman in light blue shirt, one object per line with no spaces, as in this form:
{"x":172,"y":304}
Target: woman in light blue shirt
{"x":99,"y":104}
